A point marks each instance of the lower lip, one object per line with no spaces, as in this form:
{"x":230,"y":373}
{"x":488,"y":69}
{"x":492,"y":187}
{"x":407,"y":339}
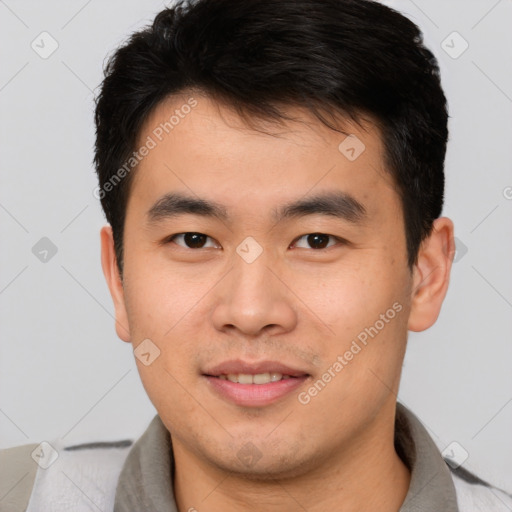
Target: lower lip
{"x":255,"y":395}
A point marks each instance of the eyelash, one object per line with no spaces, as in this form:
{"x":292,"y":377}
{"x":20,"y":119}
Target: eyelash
{"x":338,"y":239}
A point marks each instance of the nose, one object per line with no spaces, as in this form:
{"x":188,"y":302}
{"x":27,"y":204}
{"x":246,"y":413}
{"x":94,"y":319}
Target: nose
{"x":253,"y":301}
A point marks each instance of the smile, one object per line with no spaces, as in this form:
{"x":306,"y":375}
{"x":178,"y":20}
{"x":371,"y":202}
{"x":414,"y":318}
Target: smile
{"x":259,"y":378}
{"x":244,"y":389}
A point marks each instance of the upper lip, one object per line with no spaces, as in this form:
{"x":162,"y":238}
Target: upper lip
{"x":238,"y":366}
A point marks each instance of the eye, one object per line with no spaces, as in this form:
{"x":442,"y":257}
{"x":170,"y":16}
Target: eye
{"x":191,"y":240}
{"x":316,"y":241}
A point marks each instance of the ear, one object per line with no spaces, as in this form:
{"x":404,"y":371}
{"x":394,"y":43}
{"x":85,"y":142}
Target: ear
{"x":431,"y":275}
{"x":115,"y":285}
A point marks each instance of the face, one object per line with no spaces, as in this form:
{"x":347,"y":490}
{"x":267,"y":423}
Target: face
{"x":276,"y":258}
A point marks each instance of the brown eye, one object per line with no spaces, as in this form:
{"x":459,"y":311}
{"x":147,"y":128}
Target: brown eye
{"x":191,"y":240}
{"x":316,"y":241}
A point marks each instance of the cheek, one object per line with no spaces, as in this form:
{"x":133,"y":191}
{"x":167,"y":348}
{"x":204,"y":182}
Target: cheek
{"x":171,"y":308}
{"x":167,"y":390}
{"x":365,"y":308}
{"x":160,"y":297}
{"x":345,"y":296}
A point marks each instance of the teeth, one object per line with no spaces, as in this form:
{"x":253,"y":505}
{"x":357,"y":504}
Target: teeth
{"x":242,"y":378}
{"x":259,"y":378}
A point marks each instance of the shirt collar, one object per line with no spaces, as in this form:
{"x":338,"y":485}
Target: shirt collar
{"x":146,"y":479}
{"x":431,"y":487}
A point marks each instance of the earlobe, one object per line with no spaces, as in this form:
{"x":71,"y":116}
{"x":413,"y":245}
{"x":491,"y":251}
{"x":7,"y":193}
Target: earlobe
{"x":431,"y":275}
{"x":115,"y":285}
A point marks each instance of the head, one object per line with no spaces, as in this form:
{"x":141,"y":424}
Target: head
{"x":273,"y":179}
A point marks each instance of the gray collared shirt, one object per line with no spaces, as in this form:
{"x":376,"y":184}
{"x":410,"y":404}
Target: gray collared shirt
{"x":146,"y":479}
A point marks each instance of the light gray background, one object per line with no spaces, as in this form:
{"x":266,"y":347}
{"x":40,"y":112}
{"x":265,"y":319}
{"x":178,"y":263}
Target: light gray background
{"x":63,"y":371}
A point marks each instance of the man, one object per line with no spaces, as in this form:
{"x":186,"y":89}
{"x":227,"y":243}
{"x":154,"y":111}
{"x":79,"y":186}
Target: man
{"x":272,"y":175}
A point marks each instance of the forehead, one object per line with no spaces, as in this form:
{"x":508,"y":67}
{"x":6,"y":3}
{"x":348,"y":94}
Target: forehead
{"x":204,"y":148}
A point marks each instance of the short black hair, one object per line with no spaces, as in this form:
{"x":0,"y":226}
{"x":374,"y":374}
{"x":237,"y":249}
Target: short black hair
{"x":348,"y":58}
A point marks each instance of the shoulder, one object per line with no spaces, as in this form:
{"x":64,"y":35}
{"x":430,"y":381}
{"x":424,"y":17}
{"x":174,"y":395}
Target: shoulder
{"x":477,"y":495}
{"x":17,"y":475}
{"x":70,"y":477}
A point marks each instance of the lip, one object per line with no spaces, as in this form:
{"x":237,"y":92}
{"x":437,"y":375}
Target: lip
{"x":254,"y":395}
{"x":239,"y":366}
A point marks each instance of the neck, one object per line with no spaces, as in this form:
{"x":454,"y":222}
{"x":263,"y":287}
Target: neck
{"x":366,"y":474}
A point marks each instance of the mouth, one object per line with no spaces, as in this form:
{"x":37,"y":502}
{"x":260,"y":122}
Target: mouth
{"x":258,"y":378}
{"x":254,"y":385}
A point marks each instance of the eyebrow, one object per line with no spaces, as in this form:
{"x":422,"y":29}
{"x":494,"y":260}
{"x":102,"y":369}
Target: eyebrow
{"x":337,"y":204}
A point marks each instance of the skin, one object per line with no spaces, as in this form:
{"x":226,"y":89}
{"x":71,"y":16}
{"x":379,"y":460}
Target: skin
{"x":297,"y":304}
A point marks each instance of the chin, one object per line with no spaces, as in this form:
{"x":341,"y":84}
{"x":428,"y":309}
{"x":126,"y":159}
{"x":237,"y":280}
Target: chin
{"x":260,"y":460}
